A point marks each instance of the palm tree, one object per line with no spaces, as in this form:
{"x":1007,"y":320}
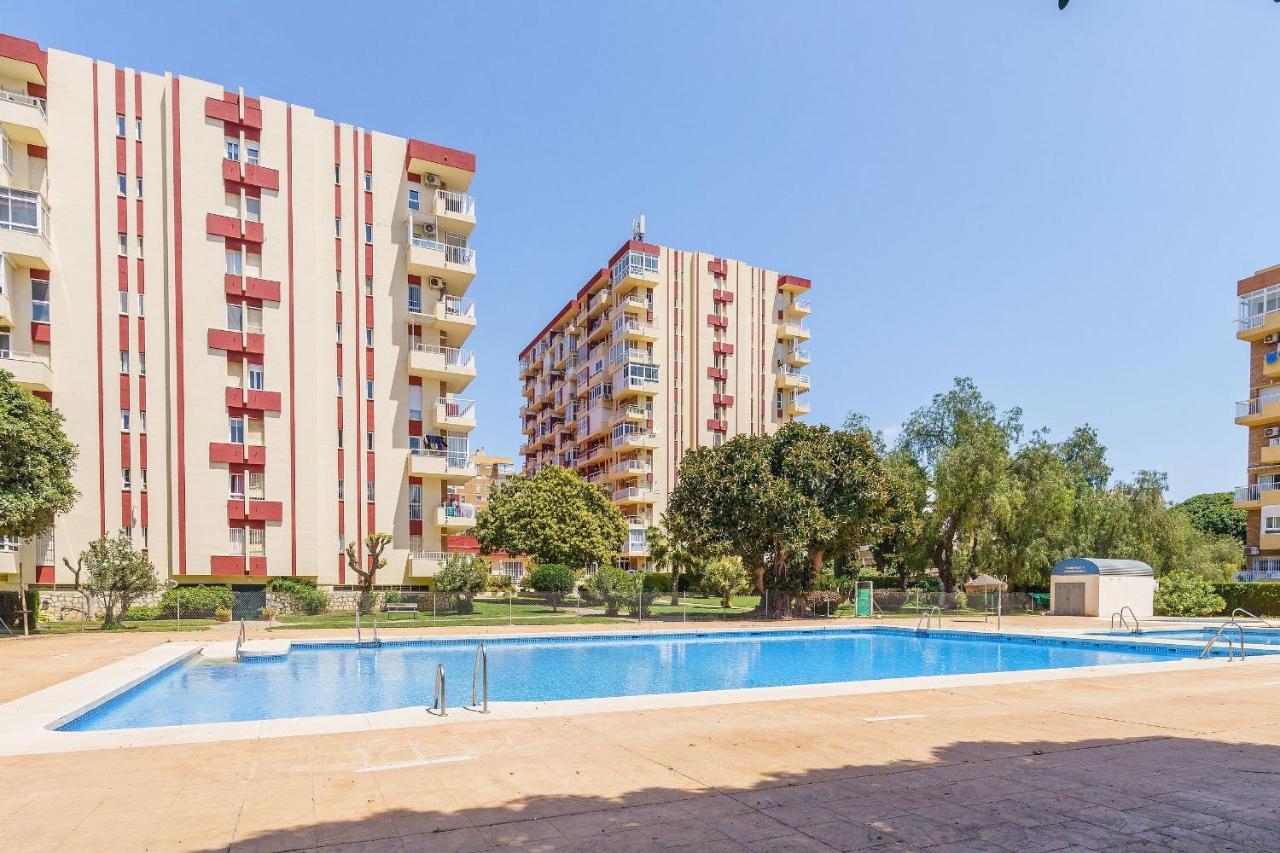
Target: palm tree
{"x":664,"y":552}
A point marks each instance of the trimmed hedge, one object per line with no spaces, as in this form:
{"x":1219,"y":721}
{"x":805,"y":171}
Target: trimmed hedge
{"x":1262,"y":599}
{"x":658,"y":583}
{"x":303,"y":595}
{"x":202,"y":600}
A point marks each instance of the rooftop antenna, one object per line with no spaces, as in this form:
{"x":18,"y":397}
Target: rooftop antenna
{"x":637,"y":228}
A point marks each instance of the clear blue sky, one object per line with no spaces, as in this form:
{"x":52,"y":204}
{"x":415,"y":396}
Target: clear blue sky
{"x":1056,"y":204}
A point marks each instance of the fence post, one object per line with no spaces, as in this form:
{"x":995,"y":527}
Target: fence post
{"x":766,"y":604}
{"x":510,"y":613}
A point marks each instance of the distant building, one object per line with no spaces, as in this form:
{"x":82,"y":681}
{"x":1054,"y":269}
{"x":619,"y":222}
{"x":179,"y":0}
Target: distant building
{"x":1259,"y":326}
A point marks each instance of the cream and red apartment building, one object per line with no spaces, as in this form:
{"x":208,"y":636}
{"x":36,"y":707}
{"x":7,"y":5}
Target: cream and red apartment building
{"x":1258,"y":325}
{"x":252,"y":317}
{"x":659,"y":352}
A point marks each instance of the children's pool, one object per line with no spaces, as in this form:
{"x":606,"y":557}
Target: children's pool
{"x":1252,"y":636}
{"x":319,"y":678}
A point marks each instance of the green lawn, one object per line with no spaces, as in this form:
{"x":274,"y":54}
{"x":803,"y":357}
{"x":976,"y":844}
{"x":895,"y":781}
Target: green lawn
{"x":487,"y":611}
{"x":143,"y":626}
{"x":697,"y":607}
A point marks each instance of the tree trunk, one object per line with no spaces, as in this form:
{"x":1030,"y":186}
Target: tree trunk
{"x":816,"y":568}
{"x":675,"y":585}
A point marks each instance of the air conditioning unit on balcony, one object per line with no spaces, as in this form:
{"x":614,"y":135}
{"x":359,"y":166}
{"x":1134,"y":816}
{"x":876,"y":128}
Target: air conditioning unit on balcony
{"x":1272,"y":338}
{"x":431,"y":180}
{"x":436,"y":282}
{"x":1252,"y":550}
{"x":1271,"y":432}
{"x":428,"y":229}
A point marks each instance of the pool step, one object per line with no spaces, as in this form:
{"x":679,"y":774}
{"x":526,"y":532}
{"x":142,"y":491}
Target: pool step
{"x":248,"y":649}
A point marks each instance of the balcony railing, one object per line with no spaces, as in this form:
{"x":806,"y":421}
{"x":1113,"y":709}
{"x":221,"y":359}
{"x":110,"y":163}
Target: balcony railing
{"x":633,"y":263}
{"x":1260,"y":569}
{"x":1247,"y":493}
{"x":455,"y":307}
{"x":1244,"y":408}
{"x":631,"y":466}
{"x":801,"y":378}
{"x":632,"y":493}
{"x":24,"y":210}
{"x":452,"y":458}
{"x":456,"y":203}
{"x":455,"y":407}
{"x":799,"y":353}
{"x":460,"y":255}
{"x":24,"y":99}
{"x":459,"y":511}
{"x":440,"y":556}
{"x":453,"y":357}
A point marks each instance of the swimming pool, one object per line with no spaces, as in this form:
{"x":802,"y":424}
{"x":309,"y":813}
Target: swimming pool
{"x":1258,"y":636}
{"x":320,"y":678}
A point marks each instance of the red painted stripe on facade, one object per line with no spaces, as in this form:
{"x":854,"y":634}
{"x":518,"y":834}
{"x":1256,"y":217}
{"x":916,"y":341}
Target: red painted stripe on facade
{"x":178,"y":329}
{"x":293,"y":406}
{"x":357,"y":289}
{"x":97,"y":264}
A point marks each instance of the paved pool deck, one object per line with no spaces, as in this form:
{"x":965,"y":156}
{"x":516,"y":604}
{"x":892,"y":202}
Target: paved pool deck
{"x":1186,"y":760}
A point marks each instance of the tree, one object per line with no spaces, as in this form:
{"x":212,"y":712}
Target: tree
{"x":1214,"y":513}
{"x":375,"y":544}
{"x":76,"y":571}
{"x":901,"y":550}
{"x":1033,"y":535}
{"x":725,"y":577}
{"x":1185,"y":594}
{"x":554,"y":516}
{"x":117,"y":575}
{"x":464,"y":576}
{"x":1086,"y":459}
{"x":553,"y":580}
{"x":615,"y":587}
{"x":666,"y":551}
{"x":36,"y":463}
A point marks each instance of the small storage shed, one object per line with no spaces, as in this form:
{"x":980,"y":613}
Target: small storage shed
{"x":1089,"y":586}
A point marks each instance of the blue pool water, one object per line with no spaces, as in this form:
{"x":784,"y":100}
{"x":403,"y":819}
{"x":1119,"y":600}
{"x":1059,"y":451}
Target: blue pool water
{"x":319,"y":678}
{"x":1259,"y":636}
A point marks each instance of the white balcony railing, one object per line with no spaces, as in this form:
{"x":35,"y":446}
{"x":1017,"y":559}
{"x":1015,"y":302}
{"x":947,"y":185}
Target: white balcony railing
{"x":631,"y":466}
{"x":632,"y":493}
{"x":455,"y":307}
{"x":634,"y":263}
{"x":23,"y":210}
{"x":23,"y":99}
{"x":439,"y":556}
{"x":452,"y":458}
{"x":802,"y":305}
{"x":456,"y":408}
{"x":458,"y":511}
{"x":1244,"y":408}
{"x":453,"y":357}
{"x":459,"y":204}
{"x":794,"y":375}
{"x":798,"y":353}
{"x":460,"y":255}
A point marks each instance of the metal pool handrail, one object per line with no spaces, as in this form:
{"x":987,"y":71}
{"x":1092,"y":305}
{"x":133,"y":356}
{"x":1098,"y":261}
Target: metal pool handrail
{"x":927,"y":618}
{"x":481,"y":669}
{"x":1208,"y":647}
{"x":439,"y":701}
{"x":240,"y":639}
{"x":1137,"y":627}
{"x":1241,"y":610}
{"x":358,"y":640}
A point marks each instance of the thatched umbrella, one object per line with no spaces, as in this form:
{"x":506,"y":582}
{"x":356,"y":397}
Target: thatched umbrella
{"x":986,"y":584}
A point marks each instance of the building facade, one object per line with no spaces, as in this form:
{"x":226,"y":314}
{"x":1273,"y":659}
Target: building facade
{"x":251,"y":316}
{"x":659,"y":352}
{"x":1259,"y":326}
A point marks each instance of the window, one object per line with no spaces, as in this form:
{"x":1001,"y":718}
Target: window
{"x":236,"y":537}
{"x":337,"y":173}
{"x":237,"y":486}
{"x":142,"y":299}
{"x":127,"y":530}
{"x":126,"y":478}
{"x":139,"y":187}
{"x":235,"y":262}
{"x":337,"y":330}
{"x":120,"y":125}
{"x":253,"y":320}
{"x":122,"y":244}
{"x":124,"y":420}
{"x":368,"y":337}
{"x":257,"y":541}
{"x":139,"y":245}
{"x":368,"y":234}
{"x":142,"y":364}
{"x":255,"y":377}
{"x":338,"y":279}
{"x":415,"y":200}
{"x":122,"y":184}
{"x":124,"y":361}
{"x":257,"y":485}
{"x":142,"y":421}
{"x":342,"y":490}
{"x":339,"y":386}
{"x":235,"y":430}
{"x":143,"y":472}
{"x":39,"y":301}
{"x":137,"y":134}
{"x":251,"y":152}
{"x":415,"y":544}
{"x":368,"y":182}
{"x":368,"y":389}
{"x":5,"y":351}
{"x":415,"y":299}
{"x":255,"y":429}
{"x":124,"y":301}
{"x":337,"y":226}
{"x":368,"y":285}
{"x":368,"y":491}
{"x":415,"y":502}
{"x":252,"y":208}
{"x":233,"y":149}
{"x":6,"y":152}
{"x":339,"y":438}
{"x":368,"y":441}
{"x":235,"y":316}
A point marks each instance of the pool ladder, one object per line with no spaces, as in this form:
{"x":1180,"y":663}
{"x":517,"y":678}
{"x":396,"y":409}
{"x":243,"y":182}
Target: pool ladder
{"x":480,"y":673}
{"x":1208,"y":647}
{"x":927,"y":618}
{"x":1240,"y":611}
{"x":1124,"y":621}
{"x":439,"y":701}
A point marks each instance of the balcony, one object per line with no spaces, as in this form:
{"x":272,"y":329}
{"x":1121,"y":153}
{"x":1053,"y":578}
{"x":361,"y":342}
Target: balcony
{"x":798,"y":308}
{"x":638,"y":414}
{"x":634,"y":303}
{"x":635,"y":439}
{"x":456,"y":517}
{"x":233,"y":453}
{"x":633,"y":495}
{"x":254,"y":509}
{"x":1259,"y":316}
{"x":795,"y":406}
{"x":24,"y":228}
{"x":29,"y":371}
{"x":448,"y":465}
{"x":1260,"y":569}
{"x":631,"y":329}
{"x":246,"y":398}
{"x":453,"y":266}
{"x":793,"y":330}
{"x":630,"y":468}
{"x":634,"y":269}
{"x":1258,"y":411}
{"x":789,"y":379}
{"x":452,"y":314}
{"x":234,"y":340}
{"x":796,"y":357}
{"x":426,"y":564}
{"x":24,"y":118}
{"x":454,"y":367}
{"x":793,"y":284}
{"x":1270,"y":453}
{"x":632,"y":548}
{"x":458,"y":210}
{"x":456,"y":413}
{"x":256,"y":288}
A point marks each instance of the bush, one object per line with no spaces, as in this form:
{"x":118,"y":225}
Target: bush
{"x":143,"y":613}
{"x":553,"y":580}
{"x":222,"y":614}
{"x":392,"y":596}
{"x":615,"y":588}
{"x":302,"y":595}
{"x":463,"y":577}
{"x":724,"y":577}
{"x":1262,"y":599}
{"x":269,"y":613}
{"x":501,"y":584}
{"x":1185,"y":594}
{"x":658,"y":583}
{"x":195,"y":600}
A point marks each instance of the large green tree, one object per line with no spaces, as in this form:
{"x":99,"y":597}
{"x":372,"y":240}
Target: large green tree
{"x":554,"y":516}
{"x":671,"y":553}
{"x":117,"y":575}
{"x":1215,"y":513}
{"x":36,"y":463}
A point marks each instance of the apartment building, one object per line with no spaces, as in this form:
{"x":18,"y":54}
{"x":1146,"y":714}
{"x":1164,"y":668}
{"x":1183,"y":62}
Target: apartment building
{"x":1258,"y":325}
{"x":251,"y":316}
{"x":659,"y":352}
{"x":491,"y":472}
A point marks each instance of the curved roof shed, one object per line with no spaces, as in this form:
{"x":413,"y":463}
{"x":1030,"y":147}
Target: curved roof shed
{"x":1093,"y":586}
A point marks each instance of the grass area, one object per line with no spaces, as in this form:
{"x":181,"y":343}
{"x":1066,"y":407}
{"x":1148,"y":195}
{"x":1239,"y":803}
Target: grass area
{"x":140,"y":626}
{"x":698,"y":607}
{"x":487,"y":611}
